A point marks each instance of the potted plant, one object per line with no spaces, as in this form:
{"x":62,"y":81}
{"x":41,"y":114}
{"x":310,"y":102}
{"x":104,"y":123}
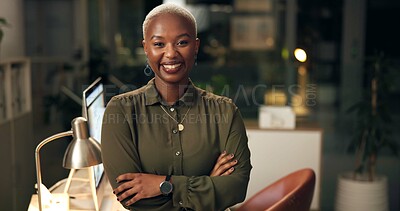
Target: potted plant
{"x":364,"y":189}
{"x":3,"y":23}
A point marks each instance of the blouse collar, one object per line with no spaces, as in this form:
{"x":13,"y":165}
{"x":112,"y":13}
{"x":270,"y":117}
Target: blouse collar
{"x":153,"y":97}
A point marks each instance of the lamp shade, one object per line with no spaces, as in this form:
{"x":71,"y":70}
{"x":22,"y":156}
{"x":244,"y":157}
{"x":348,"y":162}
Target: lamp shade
{"x":83,"y":151}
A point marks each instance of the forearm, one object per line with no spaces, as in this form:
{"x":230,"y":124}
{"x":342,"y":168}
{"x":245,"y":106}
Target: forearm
{"x":210,"y":193}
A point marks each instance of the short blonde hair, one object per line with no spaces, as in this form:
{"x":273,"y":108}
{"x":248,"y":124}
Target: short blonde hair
{"x":169,"y":8}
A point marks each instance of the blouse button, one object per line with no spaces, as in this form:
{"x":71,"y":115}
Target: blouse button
{"x":172,"y":109}
{"x":180,"y":203}
{"x":174,"y":131}
{"x":177,"y":153}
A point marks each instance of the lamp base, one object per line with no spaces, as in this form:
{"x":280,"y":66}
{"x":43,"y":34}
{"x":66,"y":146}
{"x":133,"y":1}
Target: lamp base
{"x":90,"y":179}
{"x":58,"y":202}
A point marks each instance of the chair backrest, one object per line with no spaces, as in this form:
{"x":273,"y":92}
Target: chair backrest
{"x":293,"y":192}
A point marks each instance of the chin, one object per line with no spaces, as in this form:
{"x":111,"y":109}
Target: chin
{"x":174,"y":78}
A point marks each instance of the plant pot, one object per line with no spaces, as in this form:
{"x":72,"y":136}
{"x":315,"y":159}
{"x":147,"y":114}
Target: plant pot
{"x":361,"y":194}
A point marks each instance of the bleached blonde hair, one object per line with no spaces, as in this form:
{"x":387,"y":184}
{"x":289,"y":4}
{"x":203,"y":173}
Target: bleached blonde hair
{"x":169,"y":8}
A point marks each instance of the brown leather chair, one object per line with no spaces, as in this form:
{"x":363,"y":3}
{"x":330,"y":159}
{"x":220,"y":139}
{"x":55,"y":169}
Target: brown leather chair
{"x":294,"y":192}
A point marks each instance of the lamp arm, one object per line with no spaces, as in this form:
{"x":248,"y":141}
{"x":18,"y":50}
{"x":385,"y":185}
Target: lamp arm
{"x":37,"y":160}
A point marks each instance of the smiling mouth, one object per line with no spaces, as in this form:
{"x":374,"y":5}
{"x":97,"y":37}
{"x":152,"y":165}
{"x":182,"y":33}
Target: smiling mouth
{"x":171,"y":66}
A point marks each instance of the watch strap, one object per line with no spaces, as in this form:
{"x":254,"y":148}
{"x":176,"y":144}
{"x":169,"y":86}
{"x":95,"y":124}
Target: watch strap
{"x":168,"y":177}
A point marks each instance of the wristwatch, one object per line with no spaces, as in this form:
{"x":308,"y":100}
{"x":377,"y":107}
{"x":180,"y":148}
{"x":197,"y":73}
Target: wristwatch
{"x":166,"y":186}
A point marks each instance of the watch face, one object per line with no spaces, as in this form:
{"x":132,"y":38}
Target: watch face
{"x":166,"y":187}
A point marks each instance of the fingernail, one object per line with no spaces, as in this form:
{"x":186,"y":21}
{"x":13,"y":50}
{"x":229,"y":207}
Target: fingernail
{"x":232,"y":169}
{"x":231,"y":155}
{"x":224,"y":152}
{"x":235,"y":161}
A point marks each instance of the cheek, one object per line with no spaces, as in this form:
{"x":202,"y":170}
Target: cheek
{"x":191,"y":59}
{"x":189,"y":55}
{"x":153,"y":56}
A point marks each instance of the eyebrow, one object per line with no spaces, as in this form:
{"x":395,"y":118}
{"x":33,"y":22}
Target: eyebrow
{"x":179,"y":36}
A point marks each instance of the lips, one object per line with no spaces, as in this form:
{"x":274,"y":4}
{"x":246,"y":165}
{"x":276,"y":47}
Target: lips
{"x":171,"y":68}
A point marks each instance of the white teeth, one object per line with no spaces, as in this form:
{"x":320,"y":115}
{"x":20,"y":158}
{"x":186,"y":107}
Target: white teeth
{"x":171,"y":66}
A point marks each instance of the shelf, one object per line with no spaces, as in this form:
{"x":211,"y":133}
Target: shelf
{"x":15,"y":88}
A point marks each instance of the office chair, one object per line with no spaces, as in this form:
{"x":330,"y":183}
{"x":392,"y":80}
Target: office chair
{"x":293,"y":192}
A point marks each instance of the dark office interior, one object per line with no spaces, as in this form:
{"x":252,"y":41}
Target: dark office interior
{"x":70,"y":43}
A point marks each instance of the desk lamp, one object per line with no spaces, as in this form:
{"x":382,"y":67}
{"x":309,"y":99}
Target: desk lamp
{"x":82,"y":152}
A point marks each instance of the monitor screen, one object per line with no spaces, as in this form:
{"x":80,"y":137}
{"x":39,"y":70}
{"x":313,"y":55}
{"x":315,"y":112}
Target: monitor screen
{"x":93,"y":110}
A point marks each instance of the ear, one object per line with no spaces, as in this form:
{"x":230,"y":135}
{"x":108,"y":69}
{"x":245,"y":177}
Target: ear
{"x":144,"y":47}
{"x":197,"y":45}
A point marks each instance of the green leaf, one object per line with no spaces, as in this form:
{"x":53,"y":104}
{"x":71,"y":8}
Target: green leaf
{"x":3,"y":22}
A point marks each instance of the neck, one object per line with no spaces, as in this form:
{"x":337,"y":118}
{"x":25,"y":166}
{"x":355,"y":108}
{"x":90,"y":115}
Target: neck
{"x":171,"y":93}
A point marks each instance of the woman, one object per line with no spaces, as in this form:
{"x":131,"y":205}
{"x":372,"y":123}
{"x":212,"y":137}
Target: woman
{"x":170,"y":145}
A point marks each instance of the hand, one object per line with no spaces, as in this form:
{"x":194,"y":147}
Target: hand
{"x":138,"y":186}
{"x":224,"y":165}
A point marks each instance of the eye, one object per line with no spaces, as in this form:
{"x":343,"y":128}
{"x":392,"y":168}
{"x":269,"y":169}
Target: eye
{"x":158,"y":44}
{"x":182,"y":43}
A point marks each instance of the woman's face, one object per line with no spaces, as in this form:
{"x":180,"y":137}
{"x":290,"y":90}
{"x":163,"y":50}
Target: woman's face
{"x":170,"y":44}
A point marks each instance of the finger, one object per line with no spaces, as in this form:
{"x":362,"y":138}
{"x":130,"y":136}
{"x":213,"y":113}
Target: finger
{"x":227,"y":158}
{"x":221,"y":155}
{"x":131,"y":192}
{"x":124,"y":177}
{"x":219,"y":166}
{"x":223,"y":160}
{"x":219,"y":160}
{"x":133,"y":200}
{"x":123,"y":187}
{"x":228,"y":172}
{"x":227,"y":166}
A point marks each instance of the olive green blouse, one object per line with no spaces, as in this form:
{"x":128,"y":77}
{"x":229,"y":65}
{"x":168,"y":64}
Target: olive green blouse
{"x":138,"y":135}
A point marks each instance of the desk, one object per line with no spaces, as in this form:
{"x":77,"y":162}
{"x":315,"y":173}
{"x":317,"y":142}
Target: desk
{"x":80,"y":197}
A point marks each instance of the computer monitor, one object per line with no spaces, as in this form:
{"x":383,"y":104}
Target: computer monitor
{"x":93,"y":107}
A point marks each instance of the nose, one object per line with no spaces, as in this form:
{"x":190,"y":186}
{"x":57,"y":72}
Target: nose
{"x":170,"y":51}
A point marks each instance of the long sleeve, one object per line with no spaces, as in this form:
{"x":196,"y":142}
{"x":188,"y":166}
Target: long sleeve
{"x":119,"y":150}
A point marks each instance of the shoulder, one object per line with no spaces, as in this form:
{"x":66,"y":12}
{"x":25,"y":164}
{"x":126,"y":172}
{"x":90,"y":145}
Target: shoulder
{"x":214,"y":99}
{"x":129,"y":97}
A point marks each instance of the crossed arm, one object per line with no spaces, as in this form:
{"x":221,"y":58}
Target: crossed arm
{"x":141,"y":185}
